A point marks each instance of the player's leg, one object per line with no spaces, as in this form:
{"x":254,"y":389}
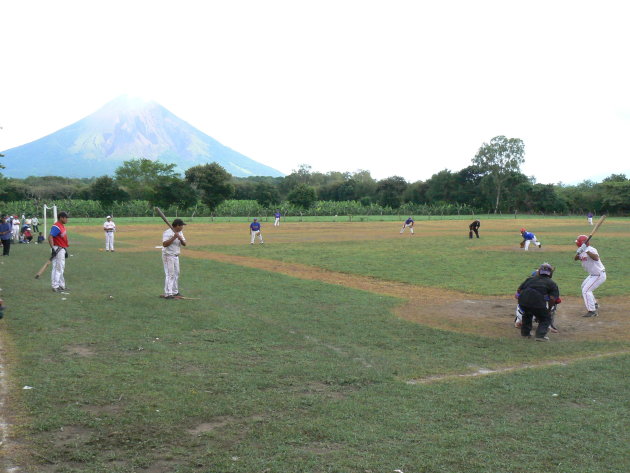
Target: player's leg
{"x":527,"y":242}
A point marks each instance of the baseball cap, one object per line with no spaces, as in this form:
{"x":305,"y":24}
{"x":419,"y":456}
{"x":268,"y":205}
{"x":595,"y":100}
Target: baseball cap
{"x":177,"y":222}
{"x":109,"y":216}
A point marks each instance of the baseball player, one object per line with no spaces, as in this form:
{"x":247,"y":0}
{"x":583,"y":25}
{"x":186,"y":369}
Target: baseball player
{"x":254,"y":229}
{"x":589,"y":218}
{"x":408,"y":223}
{"x":518,"y":319}
{"x":15,"y":229}
{"x":535,"y":295}
{"x":474,"y":227}
{"x":592,"y":263}
{"x":529,"y":237}
{"x":172,"y":241}
{"x":58,"y":241}
{"x":110,"y":228}
{"x":276,"y":222}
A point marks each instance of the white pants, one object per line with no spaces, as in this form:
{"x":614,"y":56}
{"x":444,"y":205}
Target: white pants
{"x":15,"y":232}
{"x":410,"y":228}
{"x":109,"y":241}
{"x":591,"y":283}
{"x":58,"y":265}
{"x":276,"y":223}
{"x":590,"y":220}
{"x":527,"y":242}
{"x":254,"y":233}
{"x":171,"y":272}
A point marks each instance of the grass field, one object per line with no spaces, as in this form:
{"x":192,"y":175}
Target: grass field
{"x":335,"y":347}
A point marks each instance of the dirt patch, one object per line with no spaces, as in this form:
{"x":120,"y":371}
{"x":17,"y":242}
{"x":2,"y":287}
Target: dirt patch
{"x":456,"y":311}
{"x":79,"y":350}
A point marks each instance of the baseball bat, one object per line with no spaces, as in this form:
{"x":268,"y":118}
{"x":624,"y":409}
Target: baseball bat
{"x":161,"y":214}
{"x":41,"y":271}
{"x":595,"y":228}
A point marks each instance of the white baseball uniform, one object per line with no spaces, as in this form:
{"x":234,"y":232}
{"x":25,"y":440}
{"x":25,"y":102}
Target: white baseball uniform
{"x":110,"y":229}
{"x":596,"y":277}
{"x":170,"y":258}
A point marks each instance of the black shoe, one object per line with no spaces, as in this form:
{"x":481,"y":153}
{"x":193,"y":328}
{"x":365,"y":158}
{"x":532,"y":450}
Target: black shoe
{"x":591,"y":313}
{"x":169,"y":297}
{"x":542,"y":339}
{"x":526,"y":336}
{"x":56,"y":289}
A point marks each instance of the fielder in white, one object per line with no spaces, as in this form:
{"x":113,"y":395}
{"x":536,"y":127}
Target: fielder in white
{"x":110,"y":228}
{"x":172,"y":241}
{"x":592,"y":263}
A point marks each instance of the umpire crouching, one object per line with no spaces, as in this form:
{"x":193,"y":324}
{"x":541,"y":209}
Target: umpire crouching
{"x":533,"y":295}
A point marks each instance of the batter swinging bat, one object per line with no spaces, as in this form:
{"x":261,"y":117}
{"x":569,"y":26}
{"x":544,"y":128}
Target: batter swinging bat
{"x":595,"y":228}
{"x":161,"y":214}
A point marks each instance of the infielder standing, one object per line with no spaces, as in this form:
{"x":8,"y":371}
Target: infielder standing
{"x":109,"y":227}
{"x":529,"y":237}
{"x":276,"y":223}
{"x":593,"y":265}
{"x":58,"y":241}
{"x":172,"y":241}
{"x":254,"y":229}
{"x":408,"y":223}
{"x":589,"y":218}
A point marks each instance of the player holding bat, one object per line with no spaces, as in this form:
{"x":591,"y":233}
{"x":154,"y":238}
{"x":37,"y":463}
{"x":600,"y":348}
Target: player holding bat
{"x":592,"y":263}
{"x":172,"y":241}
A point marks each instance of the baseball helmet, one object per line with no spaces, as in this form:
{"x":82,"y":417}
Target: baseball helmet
{"x":581,"y":239}
{"x":523,"y":230}
{"x":545,"y":269}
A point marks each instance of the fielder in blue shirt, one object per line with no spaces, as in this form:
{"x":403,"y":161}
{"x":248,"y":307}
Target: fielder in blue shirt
{"x":529,"y":237}
{"x":408,"y":223}
{"x":254,"y":229}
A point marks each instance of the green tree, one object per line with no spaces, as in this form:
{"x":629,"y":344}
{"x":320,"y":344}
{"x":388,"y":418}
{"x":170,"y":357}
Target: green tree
{"x":139,"y":177}
{"x":390,"y":191}
{"x":106,"y":191}
{"x":303,"y":196}
{"x":266,"y":194}
{"x":498,"y":159}
{"x":212,"y":182}
{"x":173,"y":191}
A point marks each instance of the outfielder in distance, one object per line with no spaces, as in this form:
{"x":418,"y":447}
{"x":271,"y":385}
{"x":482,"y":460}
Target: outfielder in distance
{"x":172,"y":241}
{"x":109,"y":228}
{"x":529,"y":237}
{"x":408,"y":223}
{"x":277,"y":215}
{"x":254,"y":230}
{"x":592,"y":263}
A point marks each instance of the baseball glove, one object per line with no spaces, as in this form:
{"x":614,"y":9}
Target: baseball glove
{"x":522,"y":244}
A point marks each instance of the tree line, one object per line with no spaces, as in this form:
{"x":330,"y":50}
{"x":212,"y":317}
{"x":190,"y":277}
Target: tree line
{"x":492,"y":182}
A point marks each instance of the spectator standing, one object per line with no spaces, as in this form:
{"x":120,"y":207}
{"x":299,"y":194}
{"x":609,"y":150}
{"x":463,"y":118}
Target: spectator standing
{"x":6,"y":229}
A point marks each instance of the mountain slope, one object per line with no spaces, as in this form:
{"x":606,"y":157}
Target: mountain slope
{"x":125,"y":129}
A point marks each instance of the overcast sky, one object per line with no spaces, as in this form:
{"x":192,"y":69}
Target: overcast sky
{"x":396,"y":87}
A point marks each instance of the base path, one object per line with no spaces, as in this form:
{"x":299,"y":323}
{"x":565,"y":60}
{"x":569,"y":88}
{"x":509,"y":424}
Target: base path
{"x":451,"y":310}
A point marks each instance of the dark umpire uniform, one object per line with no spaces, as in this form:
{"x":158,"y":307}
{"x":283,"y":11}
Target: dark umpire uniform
{"x":474,"y":227}
{"x":533,"y":295}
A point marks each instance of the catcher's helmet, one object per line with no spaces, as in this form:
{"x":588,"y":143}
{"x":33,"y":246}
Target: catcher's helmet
{"x":580,"y":240}
{"x":545,"y":270}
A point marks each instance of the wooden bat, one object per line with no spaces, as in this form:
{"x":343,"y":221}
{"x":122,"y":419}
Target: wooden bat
{"x":161,"y":214}
{"x":595,"y":228}
{"x":41,"y":271}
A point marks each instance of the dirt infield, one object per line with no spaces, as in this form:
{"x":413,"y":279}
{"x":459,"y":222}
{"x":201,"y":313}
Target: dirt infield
{"x":434,"y":307}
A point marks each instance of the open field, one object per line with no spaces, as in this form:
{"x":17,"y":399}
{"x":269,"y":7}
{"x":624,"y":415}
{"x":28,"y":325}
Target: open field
{"x":335,"y":347}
